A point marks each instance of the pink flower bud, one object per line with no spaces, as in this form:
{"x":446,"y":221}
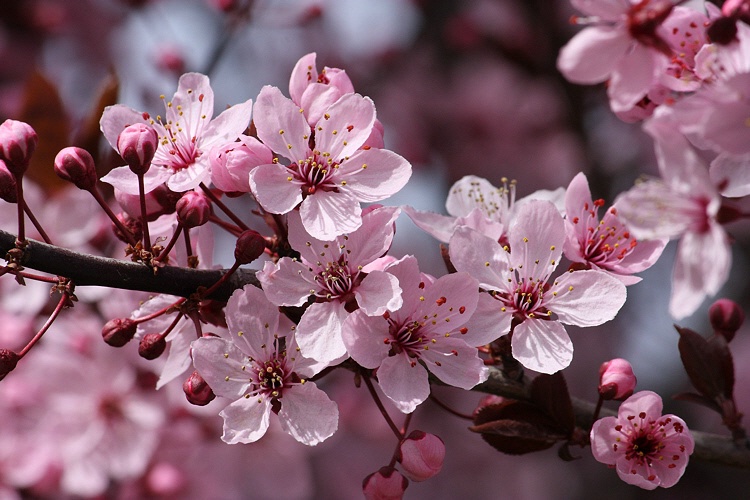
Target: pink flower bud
{"x":17,"y":143}
{"x":421,"y":455}
{"x":197,"y":390}
{"x":726,"y":318}
{"x":616,"y":379}
{"x":250,"y":245}
{"x":193,"y":209}
{"x":8,"y":362}
{"x":137,"y":144}
{"x":118,"y":332}
{"x":385,"y":484}
{"x":152,"y":346}
{"x":76,"y":165}
{"x":7,"y":184}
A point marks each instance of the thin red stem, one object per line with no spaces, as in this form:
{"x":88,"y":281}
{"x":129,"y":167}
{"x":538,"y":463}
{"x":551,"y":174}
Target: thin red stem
{"x":142,"y":193}
{"x":382,"y":409}
{"x":124,"y":230}
{"x":224,"y":208}
{"x":60,"y":305}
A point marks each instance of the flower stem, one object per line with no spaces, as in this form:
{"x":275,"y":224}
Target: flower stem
{"x":380,"y":406}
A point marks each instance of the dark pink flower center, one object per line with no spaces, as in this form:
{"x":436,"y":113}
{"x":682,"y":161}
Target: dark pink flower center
{"x":643,"y":20}
{"x":314,"y":173}
{"x":607,"y":241}
{"x":337,"y":281}
{"x":644,"y":441}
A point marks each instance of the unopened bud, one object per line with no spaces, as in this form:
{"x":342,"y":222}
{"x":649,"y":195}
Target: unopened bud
{"x":616,"y":379}
{"x":197,"y":390}
{"x":132,"y":224}
{"x":76,"y":165}
{"x":17,"y":143}
{"x":152,"y":346}
{"x":8,"y":361}
{"x":193,"y":209}
{"x":421,"y":455}
{"x":118,"y":332}
{"x":250,"y":245}
{"x":137,"y":144}
{"x":7,"y":184}
{"x":385,"y":484}
{"x":726,"y":318}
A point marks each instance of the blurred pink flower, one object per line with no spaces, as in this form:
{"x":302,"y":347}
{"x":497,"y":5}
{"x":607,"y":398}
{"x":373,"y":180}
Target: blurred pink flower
{"x":517,"y":279}
{"x":646,"y":448}
{"x":261,"y":370}
{"x":332,"y":272}
{"x":604,"y":244}
{"x":329,"y":174}
{"x":429,"y":327}
{"x":186,"y":133}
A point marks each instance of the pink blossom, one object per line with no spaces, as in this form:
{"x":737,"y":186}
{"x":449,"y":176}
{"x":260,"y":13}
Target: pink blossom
{"x":332,"y":273}
{"x":186,"y":133}
{"x":474,"y":202}
{"x":648,"y":449}
{"x":261,"y":370}
{"x":427,"y":331}
{"x":385,"y":484}
{"x":329,"y":176}
{"x":315,"y":91}
{"x":421,"y":455}
{"x":616,"y":379}
{"x":683,"y":204}
{"x":604,"y":244}
{"x":626,"y":48}
{"x":232,"y":163}
{"x":517,"y":276}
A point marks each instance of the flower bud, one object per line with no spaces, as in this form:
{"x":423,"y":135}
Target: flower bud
{"x":76,"y":165}
{"x":385,"y":484}
{"x":197,"y":390}
{"x":616,"y":379}
{"x":133,"y":224}
{"x":152,"y":346}
{"x":7,"y":184}
{"x":250,"y":245}
{"x":421,"y":455}
{"x":193,"y":209}
{"x":726,"y":318}
{"x":17,"y":143}
{"x":118,"y":332}
{"x":8,"y":362}
{"x":137,"y":144}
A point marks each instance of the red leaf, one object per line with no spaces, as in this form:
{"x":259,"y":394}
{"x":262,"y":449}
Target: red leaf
{"x":705,"y":364}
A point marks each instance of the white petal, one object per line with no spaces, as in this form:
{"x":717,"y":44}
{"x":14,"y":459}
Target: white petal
{"x":542,"y":346}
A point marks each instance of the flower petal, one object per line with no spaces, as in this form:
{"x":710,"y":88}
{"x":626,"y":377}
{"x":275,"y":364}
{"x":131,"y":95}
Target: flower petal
{"x":327,"y":214}
{"x":246,"y":420}
{"x":374,"y":174}
{"x":586,"y":298}
{"x":345,"y":126}
{"x":307,"y":414}
{"x":272,"y":189}
{"x":404,"y":382}
{"x":378,"y":292}
{"x":364,"y":338}
{"x":542,"y":346}
{"x":280,"y":124}
{"x":591,"y":55}
{"x":319,"y":331}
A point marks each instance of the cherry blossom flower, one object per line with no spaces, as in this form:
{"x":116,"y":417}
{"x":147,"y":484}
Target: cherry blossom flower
{"x":474,"y":202}
{"x":648,"y":449}
{"x":683,"y":204}
{"x":260,"y":369}
{"x":604,"y":244}
{"x":520,"y":296}
{"x":627,"y":48}
{"x":330,"y":172}
{"x":429,"y":328}
{"x":333,"y":273}
{"x":232,"y":163}
{"x":186,"y":133}
{"x":315,"y":91}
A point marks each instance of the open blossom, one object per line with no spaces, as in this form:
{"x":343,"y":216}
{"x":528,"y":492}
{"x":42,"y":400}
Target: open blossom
{"x":683,"y":204}
{"x":186,"y":133}
{"x":430,"y":328}
{"x":260,"y":368}
{"x":474,"y":202}
{"x":330,"y":172}
{"x":604,"y":244}
{"x":648,"y":449}
{"x":520,"y":295}
{"x":333,"y":273}
{"x":627,"y":48}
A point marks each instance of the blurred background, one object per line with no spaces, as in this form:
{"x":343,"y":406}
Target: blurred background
{"x":461,"y":87}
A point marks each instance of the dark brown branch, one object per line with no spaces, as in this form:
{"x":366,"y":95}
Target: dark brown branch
{"x":708,"y":447}
{"x":87,"y":270}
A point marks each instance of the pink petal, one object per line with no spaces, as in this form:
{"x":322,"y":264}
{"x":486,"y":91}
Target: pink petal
{"x":471,"y":252}
{"x":246,"y":420}
{"x":586,"y":298}
{"x":364,"y":338}
{"x":189,"y":178}
{"x":114,"y":120}
{"x":488,"y":323}
{"x":374,"y":174}
{"x":214,"y":367}
{"x":314,"y":253}
{"x":633,"y":76}
{"x":456,"y":364}
{"x":317,"y":99}
{"x":449,"y":303}
{"x":275,"y":113}
{"x":471,"y":192}
{"x":603,"y":436}
{"x":327,"y":214}
{"x":178,"y":359}
{"x":440,"y":227}
{"x":307,"y":414}
{"x":538,"y":234}
{"x":125,"y":180}
{"x":591,"y":55}
{"x":228,"y":126}
{"x":196,"y":98}
{"x":374,"y":237}
{"x":345,"y":126}
{"x":288,"y":283}
{"x":411,"y":283}
{"x":253,"y":321}
{"x":378,"y":292}
{"x":304,"y":73}
{"x":542,"y":346}
{"x":273,"y":190}
{"x":643,"y":401}
{"x":403,"y":382}
{"x":608,"y":10}
{"x":732,"y":174}
{"x":319,"y":331}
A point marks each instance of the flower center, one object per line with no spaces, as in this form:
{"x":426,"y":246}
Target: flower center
{"x":608,"y":240}
{"x":405,"y":338}
{"x":643,"y":20}
{"x":272,"y":375}
{"x":336,"y":281}
{"x":314,"y":173}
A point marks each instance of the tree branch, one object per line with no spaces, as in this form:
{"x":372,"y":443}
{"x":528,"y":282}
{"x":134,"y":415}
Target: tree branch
{"x":87,"y":270}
